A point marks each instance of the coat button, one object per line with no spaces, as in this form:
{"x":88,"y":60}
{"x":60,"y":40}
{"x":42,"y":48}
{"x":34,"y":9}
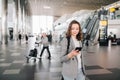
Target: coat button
{"x":72,"y":58}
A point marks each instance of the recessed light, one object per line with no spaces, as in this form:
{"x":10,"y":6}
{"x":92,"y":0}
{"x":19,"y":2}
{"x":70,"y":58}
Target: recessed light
{"x":46,"y":7}
{"x":64,"y":2}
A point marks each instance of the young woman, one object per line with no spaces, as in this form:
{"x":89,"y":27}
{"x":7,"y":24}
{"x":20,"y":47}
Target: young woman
{"x":72,"y":64}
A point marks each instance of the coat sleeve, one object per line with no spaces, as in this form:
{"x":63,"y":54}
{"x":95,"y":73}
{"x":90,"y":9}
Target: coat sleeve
{"x":63,"y":56}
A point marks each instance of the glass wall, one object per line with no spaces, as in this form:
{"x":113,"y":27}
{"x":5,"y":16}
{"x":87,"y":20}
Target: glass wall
{"x":0,"y":19}
{"x":42,"y":24}
{"x":0,"y":8}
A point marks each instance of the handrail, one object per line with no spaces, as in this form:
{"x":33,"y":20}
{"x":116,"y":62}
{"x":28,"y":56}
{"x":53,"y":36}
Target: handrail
{"x":94,"y":31}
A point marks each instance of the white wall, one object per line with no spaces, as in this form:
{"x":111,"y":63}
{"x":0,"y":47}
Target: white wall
{"x":114,"y":27}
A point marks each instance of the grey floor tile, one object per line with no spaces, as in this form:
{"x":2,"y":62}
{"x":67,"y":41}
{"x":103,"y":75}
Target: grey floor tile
{"x":98,"y":71}
{"x":5,"y":64}
{"x":101,"y":63}
{"x":12,"y":71}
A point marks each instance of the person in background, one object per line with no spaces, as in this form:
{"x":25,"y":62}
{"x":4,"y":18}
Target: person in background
{"x":50,"y":38}
{"x":19,"y":37}
{"x":26,"y":38}
{"x":102,"y":14}
{"x":87,"y":39}
{"x":71,"y":59}
{"x":45,"y":42}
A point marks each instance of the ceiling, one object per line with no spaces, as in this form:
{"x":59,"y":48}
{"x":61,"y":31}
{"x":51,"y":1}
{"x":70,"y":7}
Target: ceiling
{"x":58,"y":8}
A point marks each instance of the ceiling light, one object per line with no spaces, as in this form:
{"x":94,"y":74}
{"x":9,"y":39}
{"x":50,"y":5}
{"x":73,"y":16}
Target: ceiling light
{"x":64,"y":2}
{"x":46,"y":7}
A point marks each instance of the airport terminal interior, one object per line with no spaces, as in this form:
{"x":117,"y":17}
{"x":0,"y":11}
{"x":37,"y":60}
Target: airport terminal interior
{"x":22,"y":23}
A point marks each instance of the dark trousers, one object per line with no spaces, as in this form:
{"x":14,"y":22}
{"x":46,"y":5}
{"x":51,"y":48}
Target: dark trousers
{"x":87,"y":42}
{"x":46,"y":47}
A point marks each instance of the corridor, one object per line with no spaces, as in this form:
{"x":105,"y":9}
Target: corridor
{"x":101,"y":62}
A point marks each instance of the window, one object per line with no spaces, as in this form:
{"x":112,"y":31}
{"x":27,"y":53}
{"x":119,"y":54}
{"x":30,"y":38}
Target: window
{"x":42,"y":24}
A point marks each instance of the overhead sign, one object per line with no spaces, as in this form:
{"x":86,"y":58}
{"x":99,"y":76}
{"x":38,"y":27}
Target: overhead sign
{"x":103,"y":23}
{"x":112,"y":9}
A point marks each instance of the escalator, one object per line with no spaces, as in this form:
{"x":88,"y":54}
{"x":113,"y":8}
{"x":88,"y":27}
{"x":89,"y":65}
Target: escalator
{"x":92,"y":29}
{"x":96,"y":34}
{"x":90,"y":26}
{"x":84,"y":27}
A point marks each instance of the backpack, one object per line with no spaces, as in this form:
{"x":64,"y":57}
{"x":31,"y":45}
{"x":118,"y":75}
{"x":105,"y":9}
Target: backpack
{"x":68,"y":44}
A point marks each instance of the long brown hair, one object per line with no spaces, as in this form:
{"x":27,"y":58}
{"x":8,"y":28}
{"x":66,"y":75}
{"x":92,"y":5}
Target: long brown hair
{"x":79,"y":35}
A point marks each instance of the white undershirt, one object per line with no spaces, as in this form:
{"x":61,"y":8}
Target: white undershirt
{"x":77,"y":44}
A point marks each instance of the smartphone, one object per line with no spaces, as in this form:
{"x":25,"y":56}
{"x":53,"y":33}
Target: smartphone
{"x":78,"y":48}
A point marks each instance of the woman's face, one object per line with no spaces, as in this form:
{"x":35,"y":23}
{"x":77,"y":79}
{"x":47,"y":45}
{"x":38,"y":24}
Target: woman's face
{"x":74,"y":29}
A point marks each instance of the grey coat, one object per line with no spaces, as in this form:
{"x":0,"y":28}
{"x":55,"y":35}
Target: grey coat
{"x":45,"y":42}
{"x":69,"y":66}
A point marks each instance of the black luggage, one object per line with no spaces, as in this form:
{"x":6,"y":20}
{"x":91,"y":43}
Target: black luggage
{"x":32,"y":53}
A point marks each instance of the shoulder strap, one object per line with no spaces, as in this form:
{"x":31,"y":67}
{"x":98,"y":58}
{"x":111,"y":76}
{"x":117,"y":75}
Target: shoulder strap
{"x":68,"y":44}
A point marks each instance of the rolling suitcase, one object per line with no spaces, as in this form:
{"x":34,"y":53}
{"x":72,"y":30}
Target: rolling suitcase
{"x":32,"y":53}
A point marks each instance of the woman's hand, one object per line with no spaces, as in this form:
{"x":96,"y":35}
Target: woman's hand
{"x":73,"y":53}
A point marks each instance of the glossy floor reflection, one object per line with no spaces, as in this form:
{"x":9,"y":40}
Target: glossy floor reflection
{"x":101,"y":63}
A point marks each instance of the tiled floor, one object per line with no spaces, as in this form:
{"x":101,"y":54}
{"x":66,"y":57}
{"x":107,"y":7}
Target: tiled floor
{"x":101,"y":62}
